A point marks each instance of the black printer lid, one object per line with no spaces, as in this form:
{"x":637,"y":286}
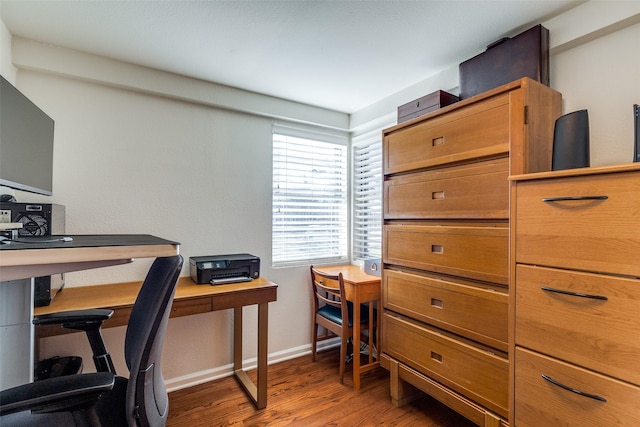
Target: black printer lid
{"x":229,"y":257}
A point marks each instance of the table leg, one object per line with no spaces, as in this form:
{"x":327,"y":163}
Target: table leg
{"x":356,"y":344}
{"x":263,"y":321}
{"x":256,"y":392}
{"x":371,"y":340}
{"x":237,"y":338}
{"x":16,"y":333}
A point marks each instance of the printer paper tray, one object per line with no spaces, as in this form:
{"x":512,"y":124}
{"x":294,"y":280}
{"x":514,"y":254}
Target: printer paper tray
{"x":227,"y":280}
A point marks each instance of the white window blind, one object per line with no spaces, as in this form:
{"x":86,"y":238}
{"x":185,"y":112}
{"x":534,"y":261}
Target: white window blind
{"x":309,"y":198}
{"x":367,"y":198}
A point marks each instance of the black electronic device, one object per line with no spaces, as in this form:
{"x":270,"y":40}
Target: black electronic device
{"x":221,"y":269}
{"x":571,"y":141}
{"x":636,"y":133}
{"x":38,"y":220}
{"x":26,"y":143}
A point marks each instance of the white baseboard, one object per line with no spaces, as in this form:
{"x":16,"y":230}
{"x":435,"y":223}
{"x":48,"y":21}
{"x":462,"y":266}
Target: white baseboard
{"x":201,"y":377}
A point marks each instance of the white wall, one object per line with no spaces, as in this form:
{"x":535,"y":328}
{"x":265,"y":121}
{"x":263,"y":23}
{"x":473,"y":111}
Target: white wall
{"x":173,"y":164}
{"x":141,"y":151}
{"x":594,"y":63}
{"x":603,"y":76}
{"x":7,"y":69}
{"x":127,"y":162}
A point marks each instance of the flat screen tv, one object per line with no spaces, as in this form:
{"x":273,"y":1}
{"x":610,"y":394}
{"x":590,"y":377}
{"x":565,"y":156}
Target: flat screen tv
{"x":26,"y":143}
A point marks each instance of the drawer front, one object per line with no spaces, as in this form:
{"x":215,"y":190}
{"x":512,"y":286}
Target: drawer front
{"x":474,"y":191}
{"x":476,"y":131}
{"x":592,"y":332}
{"x":469,"y":370}
{"x":541,"y":403}
{"x":479,"y":253}
{"x":591,"y":234}
{"x":478,"y":313}
{"x":187,"y":307}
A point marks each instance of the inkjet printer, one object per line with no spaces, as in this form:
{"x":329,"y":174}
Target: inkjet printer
{"x":221,"y":269}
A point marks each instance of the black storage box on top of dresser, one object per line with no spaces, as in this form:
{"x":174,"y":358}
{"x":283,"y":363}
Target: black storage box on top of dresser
{"x":425,"y":104}
{"x":506,"y":60}
{"x":39,"y":220}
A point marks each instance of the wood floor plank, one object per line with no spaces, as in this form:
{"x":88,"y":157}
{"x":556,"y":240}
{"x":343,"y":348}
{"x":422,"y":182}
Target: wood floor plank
{"x":309,"y":394}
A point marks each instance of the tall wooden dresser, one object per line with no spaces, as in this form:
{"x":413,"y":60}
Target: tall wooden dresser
{"x":576,"y":317}
{"x":446,"y":244}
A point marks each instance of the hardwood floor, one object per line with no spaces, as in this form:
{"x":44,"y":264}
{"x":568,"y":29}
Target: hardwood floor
{"x":304,"y":393}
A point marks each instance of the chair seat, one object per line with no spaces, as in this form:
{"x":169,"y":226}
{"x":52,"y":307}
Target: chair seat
{"x":333,"y":313}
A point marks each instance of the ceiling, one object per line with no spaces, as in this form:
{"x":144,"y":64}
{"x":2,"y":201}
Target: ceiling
{"x":341,"y":55}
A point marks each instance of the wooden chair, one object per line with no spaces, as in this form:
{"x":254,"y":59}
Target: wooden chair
{"x":330,"y":307}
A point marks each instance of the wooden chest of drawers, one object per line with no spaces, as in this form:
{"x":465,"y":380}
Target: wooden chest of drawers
{"x":446,"y":244}
{"x":576,"y":320}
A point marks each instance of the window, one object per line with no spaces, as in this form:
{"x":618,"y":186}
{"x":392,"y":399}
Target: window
{"x":367,"y":197}
{"x":309,"y":197}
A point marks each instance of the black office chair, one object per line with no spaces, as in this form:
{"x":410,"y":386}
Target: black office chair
{"x":102,"y":398}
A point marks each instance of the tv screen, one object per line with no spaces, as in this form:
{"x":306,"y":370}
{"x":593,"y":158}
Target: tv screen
{"x":26,"y":143}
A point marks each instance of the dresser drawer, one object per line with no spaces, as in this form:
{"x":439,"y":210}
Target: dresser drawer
{"x":480,"y":190}
{"x":599,"y":232}
{"x":476,"y":312}
{"x":599,"y":334}
{"x":540,"y":403}
{"x":467,"y":369}
{"x":477,"y":131}
{"x":479,"y":253}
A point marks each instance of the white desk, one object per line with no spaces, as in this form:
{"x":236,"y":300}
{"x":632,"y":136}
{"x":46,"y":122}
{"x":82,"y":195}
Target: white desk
{"x":20,"y":262}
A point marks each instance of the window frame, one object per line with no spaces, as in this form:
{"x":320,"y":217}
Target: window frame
{"x":285,"y":254}
{"x":371,"y":245}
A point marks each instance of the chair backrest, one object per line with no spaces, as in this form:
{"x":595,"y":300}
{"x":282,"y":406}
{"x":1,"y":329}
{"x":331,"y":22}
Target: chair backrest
{"x":328,"y":289}
{"x":147,"y":401}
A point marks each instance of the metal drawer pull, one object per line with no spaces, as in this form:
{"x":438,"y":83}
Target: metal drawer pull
{"x":573,"y":390}
{"x":574,"y":294}
{"x":573,"y":198}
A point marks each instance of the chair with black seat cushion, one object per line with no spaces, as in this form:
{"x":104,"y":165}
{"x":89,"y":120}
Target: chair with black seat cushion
{"x":330,"y":308}
{"x":103,"y":398}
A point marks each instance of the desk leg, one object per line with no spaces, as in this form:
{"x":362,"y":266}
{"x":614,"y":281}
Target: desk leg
{"x":16,"y":333}
{"x":256,"y":392}
{"x":263,"y":320}
{"x":356,"y":344}
{"x":237,"y":339}
{"x":372,"y":362}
